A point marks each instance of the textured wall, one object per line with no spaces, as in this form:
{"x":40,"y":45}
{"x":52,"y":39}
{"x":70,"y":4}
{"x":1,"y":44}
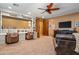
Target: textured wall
{"x":15,"y":23}
{"x":53,"y":23}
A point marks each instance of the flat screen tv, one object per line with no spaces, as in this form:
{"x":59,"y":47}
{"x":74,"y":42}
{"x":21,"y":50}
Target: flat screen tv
{"x":66,"y":24}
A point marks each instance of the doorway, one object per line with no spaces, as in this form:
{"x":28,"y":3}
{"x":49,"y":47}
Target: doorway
{"x":42,"y":27}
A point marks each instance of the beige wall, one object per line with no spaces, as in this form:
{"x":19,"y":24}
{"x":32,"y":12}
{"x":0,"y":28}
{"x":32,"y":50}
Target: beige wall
{"x":53,"y":23}
{"x":0,"y":18}
{"x":9,"y":22}
{"x":0,"y":21}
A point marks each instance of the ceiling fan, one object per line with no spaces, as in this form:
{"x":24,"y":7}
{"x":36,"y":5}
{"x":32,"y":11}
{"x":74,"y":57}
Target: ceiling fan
{"x":49,"y":9}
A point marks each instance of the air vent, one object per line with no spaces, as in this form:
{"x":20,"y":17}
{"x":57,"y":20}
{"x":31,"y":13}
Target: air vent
{"x":14,"y":15}
{"x":15,"y":4}
{"x":25,"y":16}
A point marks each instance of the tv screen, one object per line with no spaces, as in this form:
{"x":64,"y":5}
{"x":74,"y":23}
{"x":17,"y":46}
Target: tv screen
{"x":66,"y":24}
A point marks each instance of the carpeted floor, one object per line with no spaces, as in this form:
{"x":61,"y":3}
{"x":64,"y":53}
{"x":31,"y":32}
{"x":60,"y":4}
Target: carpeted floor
{"x":39,"y":46}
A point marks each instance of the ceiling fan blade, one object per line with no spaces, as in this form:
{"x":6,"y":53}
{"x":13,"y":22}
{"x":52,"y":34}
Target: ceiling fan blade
{"x":55,"y":9}
{"x":50,"y":6}
{"x":43,"y":12}
{"x":41,"y":9}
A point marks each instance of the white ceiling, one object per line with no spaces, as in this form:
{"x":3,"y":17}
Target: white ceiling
{"x":25,"y":8}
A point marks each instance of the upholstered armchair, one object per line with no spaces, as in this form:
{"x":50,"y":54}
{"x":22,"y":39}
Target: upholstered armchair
{"x":29,"y":35}
{"x":12,"y":38}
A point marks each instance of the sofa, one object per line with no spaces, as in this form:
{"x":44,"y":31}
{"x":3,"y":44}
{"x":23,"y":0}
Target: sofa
{"x":11,"y":38}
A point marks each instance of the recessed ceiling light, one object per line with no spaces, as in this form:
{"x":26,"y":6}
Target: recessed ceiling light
{"x":43,"y":17}
{"x":29,"y":22}
{"x":10,"y":7}
{"x":29,"y":13}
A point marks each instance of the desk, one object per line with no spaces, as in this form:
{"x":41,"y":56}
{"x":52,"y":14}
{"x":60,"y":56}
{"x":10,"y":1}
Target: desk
{"x":2,"y":38}
{"x":3,"y":34}
{"x":22,"y":36}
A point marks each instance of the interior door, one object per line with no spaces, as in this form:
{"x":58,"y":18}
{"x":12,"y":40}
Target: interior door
{"x":39,"y":27}
{"x":42,"y":27}
{"x":45,"y":27}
